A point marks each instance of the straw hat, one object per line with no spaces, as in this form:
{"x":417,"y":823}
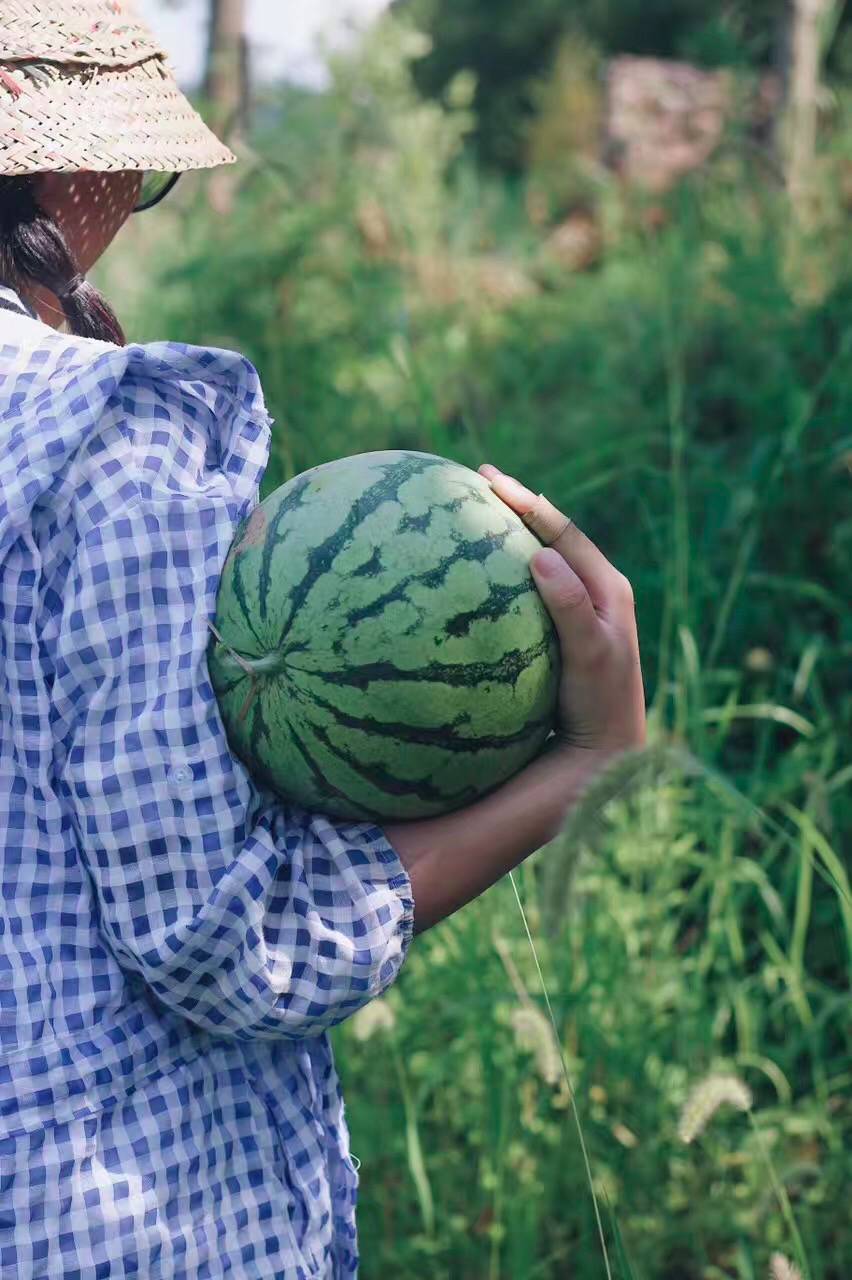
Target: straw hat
{"x":84,"y":85}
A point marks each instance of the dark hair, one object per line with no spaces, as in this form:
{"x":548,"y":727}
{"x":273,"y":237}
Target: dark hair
{"x":33,"y":250}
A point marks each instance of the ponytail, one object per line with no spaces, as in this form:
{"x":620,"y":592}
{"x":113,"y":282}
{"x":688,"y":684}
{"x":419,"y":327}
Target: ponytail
{"x":33,"y":250}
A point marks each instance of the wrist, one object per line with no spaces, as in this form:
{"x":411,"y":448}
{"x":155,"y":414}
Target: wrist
{"x":567,"y":772}
{"x":453,"y":858}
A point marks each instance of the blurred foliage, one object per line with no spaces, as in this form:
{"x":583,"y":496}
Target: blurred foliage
{"x":686,"y":397}
{"x":563,"y":141}
{"x":510,"y":47}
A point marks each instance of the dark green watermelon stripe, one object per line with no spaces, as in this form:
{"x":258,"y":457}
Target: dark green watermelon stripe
{"x":493,"y":607}
{"x":422,"y":523}
{"x":442,"y":736}
{"x":379,"y":777}
{"x":506,"y":670}
{"x":325,"y":788}
{"x":258,"y":727}
{"x":373,"y":567}
{"x":321,"y":557}
{"x":224,"y":687}
{"x":378,"y":606}
{"x":246,"y":606}
{"x":292,"y":502}
{"x":244,"y":743}
{"x":478,"y":550}
{"x":370,"y":568}
{"x":416,"y":524}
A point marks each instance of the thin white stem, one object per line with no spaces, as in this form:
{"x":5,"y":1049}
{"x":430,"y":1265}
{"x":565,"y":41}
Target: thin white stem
{"x":567,"y":1076}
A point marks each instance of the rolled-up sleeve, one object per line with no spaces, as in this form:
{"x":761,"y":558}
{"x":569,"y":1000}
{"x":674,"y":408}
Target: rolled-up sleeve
{"x":251,"y":917}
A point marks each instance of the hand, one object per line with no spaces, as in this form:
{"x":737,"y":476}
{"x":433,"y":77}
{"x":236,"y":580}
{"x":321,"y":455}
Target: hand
{"x":601,"y":698}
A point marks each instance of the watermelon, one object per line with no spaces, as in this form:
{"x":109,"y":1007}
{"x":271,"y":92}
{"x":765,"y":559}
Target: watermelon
{"x":381,"y":650}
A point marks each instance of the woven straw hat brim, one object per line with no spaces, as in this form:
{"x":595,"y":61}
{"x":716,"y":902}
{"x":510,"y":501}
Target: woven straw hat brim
{"x":84,"y":86}
{"x":103,"y":119}
{"x":106,"y":32}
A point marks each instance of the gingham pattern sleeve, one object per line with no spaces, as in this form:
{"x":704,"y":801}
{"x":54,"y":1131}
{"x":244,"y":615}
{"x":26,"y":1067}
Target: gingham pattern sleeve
{"x":253,"y":919}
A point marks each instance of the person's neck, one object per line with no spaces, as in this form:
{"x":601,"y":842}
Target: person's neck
{"x":38,"y":302}
{"x":45,"y":304}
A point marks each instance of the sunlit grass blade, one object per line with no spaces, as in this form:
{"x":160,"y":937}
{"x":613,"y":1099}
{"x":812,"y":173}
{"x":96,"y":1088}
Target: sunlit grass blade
{"x":834,"y":870}
{"x":628,"y":1272}
{"x":781,"y":1195}
{"x":568,"y":1080}
{"x":759,"y":711}
{"x":414,"y":1149}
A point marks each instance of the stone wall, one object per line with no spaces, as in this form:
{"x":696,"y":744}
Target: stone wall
{"x":665,"y":118}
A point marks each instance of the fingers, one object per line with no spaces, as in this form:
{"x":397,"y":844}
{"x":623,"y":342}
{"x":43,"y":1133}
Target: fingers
{"x":578,"y":626}
{"x":609,"y":590}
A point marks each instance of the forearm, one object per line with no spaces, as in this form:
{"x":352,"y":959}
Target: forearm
{"x":452,"y":859}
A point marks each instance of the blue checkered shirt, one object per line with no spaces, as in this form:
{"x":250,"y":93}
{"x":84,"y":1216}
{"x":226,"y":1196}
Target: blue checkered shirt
{"x":174,"y":944}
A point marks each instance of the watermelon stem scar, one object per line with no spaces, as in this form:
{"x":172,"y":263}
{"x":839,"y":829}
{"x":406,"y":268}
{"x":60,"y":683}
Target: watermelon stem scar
{"x":252,"y":670}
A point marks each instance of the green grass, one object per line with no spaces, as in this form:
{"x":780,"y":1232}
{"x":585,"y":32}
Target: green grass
{"x":689,"y":402}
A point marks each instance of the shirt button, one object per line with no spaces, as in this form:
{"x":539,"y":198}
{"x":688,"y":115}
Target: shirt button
{"x":180,"y":775}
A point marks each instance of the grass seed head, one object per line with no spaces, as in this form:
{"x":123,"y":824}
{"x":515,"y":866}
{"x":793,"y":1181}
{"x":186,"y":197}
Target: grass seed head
{"x":780,"y":1268}
{"x":534,"y":1032}
{"x":706,"y":1099}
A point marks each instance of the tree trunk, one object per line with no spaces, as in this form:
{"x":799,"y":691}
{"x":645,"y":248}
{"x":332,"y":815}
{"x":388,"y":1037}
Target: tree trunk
{"x":803,"y":77}
{"x":226,"y":86}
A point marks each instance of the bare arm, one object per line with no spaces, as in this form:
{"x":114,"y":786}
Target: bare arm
{"x":452,"y":859}
{"x":601,"y":714}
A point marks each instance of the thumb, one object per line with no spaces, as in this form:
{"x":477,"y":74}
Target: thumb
{"x":568,"y":602}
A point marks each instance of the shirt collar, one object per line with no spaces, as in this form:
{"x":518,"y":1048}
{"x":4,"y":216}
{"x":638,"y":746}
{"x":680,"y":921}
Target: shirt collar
{"x":9,"y":295}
